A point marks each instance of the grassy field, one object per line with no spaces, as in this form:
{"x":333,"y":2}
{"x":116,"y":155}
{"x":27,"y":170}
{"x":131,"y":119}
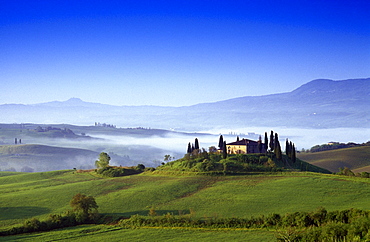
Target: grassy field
{"x":356,"y":158}
{"x":100,"y":233}
{"x":26,"y":195}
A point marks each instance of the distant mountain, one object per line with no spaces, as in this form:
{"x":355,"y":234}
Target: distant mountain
{"x":318,"y":104}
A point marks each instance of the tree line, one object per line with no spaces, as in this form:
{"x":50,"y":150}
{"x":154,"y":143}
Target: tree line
{"x":320,"y":225}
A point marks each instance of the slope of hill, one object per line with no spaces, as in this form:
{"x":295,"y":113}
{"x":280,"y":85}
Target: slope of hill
{"x":33,"y":157}
{"x":318,"y":104}
{"x":357,"y":159}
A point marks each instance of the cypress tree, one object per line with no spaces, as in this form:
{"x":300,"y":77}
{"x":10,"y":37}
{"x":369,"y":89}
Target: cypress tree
{"x":294,"y":158}
{"x":287,"y":148}
{"x":272,"y":141}
{"x":266,"y":142}
{"x":196,"y":144}
{"x":221,"y":142}
{"x":290,"y":150}
{"x":237,"y":138}
{"x":224,"y":151}
{"x":278,"y":150}
{"x":259,"y":145}
{"x":276,"y":140}
{"x":189,"y":148}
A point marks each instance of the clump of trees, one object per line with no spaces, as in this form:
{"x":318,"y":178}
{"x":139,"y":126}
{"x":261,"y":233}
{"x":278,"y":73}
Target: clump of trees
{"x":110,"y":171}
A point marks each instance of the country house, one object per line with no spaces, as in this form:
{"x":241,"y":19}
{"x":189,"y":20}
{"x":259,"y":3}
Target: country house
{"x":245,"y":146}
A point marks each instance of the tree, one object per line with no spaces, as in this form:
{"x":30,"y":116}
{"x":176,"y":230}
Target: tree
{"x":103,"y":161}
{"x":140,"y":167}
{"x":84,"y":206}
{"x":224,"y":151}
{"x":196,"y":146}
{"x":272,"y":145}
{"x":287,"y":148}
{"x":293,"y":154}
{"x":276,"y":141}
{"x":212,"y":149}
{"x":221,"y":142}
{"x":278,"y":150}
{"x":237,"y":138}
{"x":259,"y":145}
{"x":266,"y":142}
{"x":167,"y":157}
{"x":189,"y":148}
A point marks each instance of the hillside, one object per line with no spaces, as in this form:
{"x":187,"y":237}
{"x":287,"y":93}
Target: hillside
{"x":317,"y":104}
{"x":215,"y":163}
{"x":32,"y":157}
{"x":40,"y":194}
{"x":357,"y":159}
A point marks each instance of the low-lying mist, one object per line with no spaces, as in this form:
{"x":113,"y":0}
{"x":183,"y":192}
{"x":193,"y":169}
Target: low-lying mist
{"x":130,"y":150}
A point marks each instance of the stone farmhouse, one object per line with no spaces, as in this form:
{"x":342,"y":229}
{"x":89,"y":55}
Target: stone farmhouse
{"x":245,"y":146}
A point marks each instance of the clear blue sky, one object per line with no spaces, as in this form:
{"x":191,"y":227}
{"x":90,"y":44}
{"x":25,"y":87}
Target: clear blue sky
{"x":176,"y":53}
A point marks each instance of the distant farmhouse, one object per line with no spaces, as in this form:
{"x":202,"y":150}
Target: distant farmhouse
{"x":245,"y":146}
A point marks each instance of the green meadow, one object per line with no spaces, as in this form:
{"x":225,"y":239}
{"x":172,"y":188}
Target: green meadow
{"x":27,"y":195}
{"x":100,"y":233}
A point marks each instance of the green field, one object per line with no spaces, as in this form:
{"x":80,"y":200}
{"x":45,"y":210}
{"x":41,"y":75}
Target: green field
{"x":356,"y":158}
{"x":26,"y":195}
{"x":114,"y":233}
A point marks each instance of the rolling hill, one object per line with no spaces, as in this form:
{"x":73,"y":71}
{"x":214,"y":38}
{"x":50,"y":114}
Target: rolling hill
{"x":357,"y":159}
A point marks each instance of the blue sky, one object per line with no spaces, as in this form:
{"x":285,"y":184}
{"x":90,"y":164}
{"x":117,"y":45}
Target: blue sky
{"x":176,"y":53}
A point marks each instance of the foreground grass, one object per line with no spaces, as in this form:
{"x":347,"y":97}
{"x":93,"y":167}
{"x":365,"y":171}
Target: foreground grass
{"x":112,"y":233}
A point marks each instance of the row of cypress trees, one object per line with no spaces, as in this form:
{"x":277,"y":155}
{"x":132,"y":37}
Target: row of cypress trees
{"x":274,"y":146}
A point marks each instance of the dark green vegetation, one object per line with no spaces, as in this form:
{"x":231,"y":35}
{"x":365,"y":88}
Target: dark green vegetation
{"x":319,"y":225}
{"x":37,"y":195}
{"x":357,"y":159}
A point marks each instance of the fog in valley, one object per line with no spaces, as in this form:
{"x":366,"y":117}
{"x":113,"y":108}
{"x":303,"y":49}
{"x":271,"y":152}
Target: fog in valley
{"x":130,"y":150}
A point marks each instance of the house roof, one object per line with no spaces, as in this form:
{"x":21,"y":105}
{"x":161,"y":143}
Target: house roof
{"x":243,"y":142}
